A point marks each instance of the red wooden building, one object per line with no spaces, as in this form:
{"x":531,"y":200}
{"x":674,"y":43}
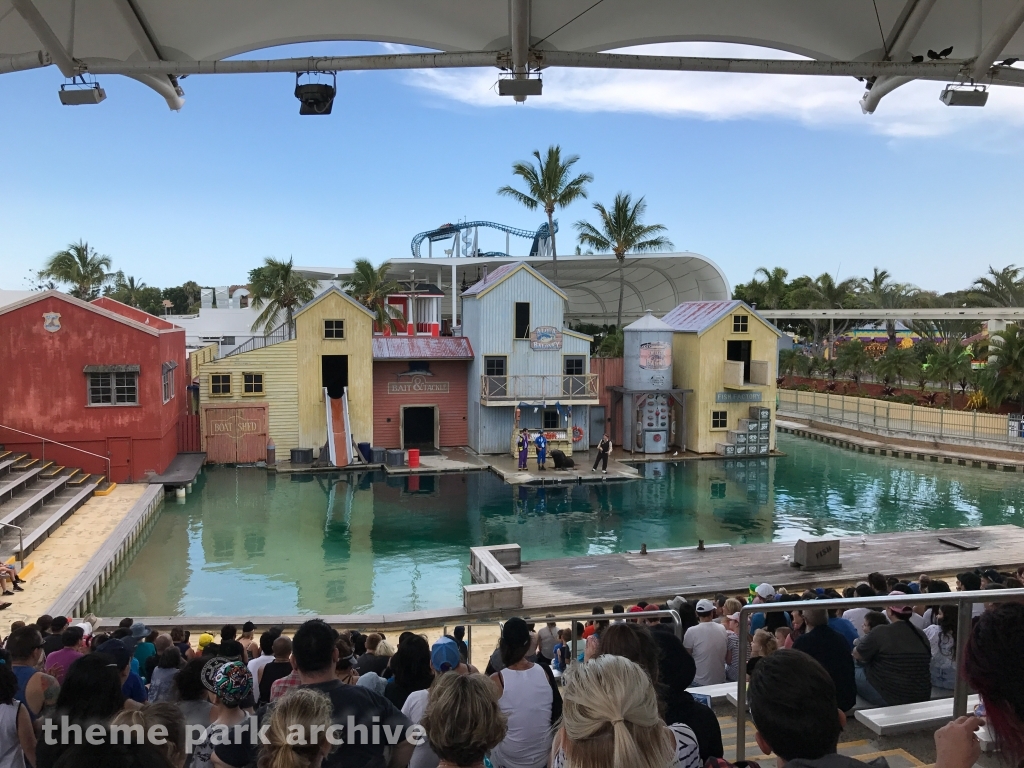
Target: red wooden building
{"x":102,"y":377}
{"x":419,"y":391}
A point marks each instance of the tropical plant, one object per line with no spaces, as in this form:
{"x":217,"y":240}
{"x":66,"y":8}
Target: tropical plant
{"x":621,"y":231}
{"x":184,"y":298}
{"x":1006,"y":366}
{"x":127,"y":290}
{"x":947,"y":364}
{"x":81,"y":267}
{"x":881,"y":292}
{"x":1000,"y":288}
{"x":773,"y":286}
{"x":612,"y":345}
{"x":276,"y":287}
{"x":894,"y":365}
{"x":790,"y":361}
{"x":824,"y":292}
{"x":549,"y":186}
{"x":854,"y":360}
{"x":371,"y":286}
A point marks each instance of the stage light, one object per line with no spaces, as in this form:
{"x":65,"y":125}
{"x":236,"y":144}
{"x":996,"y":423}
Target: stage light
{"x":315,"y":98}
{"x":952,"y":96}
{"x":520,"y":88}
{"x":79,"y":92}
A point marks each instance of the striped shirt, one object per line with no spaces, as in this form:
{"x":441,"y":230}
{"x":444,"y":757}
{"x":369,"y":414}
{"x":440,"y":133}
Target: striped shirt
{"x":897,"y":659}
{"x":687,"y":754}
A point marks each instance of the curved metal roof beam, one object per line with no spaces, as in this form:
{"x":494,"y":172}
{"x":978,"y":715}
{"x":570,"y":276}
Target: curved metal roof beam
{"x":905,"y":31}
{"x":1003,"y":34}
{"x":598,"y":299}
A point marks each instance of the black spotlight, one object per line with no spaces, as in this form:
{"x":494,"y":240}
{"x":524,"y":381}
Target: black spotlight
{"x":316,"y":98}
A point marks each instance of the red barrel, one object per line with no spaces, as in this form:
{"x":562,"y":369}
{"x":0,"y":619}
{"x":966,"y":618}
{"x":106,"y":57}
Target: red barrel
{"x":414,"y":457}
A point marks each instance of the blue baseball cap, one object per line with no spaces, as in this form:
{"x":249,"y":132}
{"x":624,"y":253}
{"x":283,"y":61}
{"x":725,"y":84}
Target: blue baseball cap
{"x":444,"y":656}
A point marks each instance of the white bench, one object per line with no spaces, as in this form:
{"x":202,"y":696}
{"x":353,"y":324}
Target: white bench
{"x":904,"y":718}
{"x":717,"y":693}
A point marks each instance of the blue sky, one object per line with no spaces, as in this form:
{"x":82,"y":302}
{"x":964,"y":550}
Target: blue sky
{"x":749,"y":171}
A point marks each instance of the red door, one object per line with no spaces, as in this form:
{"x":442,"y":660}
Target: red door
{"x":235,"y":434}
{"x":119,"y":451}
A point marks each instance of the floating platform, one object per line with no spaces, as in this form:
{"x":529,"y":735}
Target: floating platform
{"x":183,"y":469}
{"x":661,"y":574}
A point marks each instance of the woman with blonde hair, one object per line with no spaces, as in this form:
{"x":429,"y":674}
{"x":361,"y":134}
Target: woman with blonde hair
{"x":610,"y":720}
{"x":463,"y":721}
{"x":311,"y":711}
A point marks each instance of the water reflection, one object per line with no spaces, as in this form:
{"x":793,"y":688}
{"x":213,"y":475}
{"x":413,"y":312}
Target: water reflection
{"x":245,"y":542}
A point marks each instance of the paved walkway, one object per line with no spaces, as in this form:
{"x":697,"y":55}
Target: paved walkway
{"x":66,"y":550}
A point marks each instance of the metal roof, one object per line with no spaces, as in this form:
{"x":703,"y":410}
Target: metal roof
{"x":154,"y":41}
{"x":649,"y":323}
{"x":422,"y":348}
{"x":505,"y":271}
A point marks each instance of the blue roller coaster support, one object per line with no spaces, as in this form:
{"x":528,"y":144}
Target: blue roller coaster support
{"x":453,"y":230}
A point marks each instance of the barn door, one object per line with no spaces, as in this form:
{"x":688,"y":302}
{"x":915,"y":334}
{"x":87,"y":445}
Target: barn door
{"x":235,"y":434}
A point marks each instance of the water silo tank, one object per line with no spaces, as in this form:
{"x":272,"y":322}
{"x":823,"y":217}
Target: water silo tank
{"x":647,"y":346}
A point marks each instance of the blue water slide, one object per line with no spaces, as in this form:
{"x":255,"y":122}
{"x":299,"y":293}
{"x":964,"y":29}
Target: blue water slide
{"x":453,"y":230}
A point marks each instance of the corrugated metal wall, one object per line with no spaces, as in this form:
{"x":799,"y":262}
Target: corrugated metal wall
{"x":451,"y":406}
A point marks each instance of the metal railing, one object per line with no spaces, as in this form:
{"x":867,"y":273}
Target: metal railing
{"x":963,"y":600}
{"x":45,"y":440}
{"x":553,"y":387}
{"x":276,"y":336}
{"x":911,"y":420}
{"x":538,"y":621}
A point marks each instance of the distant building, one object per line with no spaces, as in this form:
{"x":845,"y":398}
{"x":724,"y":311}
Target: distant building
{"x":728,"y":355}
{"x":528,"y":370}
{"x":102,"y":377}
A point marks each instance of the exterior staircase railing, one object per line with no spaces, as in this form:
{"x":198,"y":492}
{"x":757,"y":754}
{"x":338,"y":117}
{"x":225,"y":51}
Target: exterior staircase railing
{"x":276,"y":336}
{"x":45,"y":440}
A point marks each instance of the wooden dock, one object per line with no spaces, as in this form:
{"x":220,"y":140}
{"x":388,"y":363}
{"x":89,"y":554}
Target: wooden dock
{"x":661,"y":574}
{"x":183,"y":469}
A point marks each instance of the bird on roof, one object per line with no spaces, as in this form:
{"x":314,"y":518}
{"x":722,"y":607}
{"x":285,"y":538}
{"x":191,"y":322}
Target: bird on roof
{"x":941,"y":54}
{"x":1009,"y":62}
{"x":917,"y":59}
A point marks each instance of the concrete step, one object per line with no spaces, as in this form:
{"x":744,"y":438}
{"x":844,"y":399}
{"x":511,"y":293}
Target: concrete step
{"x":27,"y":463}
{"x":79,"y":479}
{"x":53,"y":471}
{"x":46,"y":519}
{"x":17,"y":510}
{"x":18,"y":484}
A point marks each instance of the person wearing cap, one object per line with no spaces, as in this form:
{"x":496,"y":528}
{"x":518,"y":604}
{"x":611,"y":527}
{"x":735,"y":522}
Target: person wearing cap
{"x":765,"y":593}
{"x":894,"y":661}
{"x":444,"y":658}
{"x":144,"y":647}
{"x":708,"y":643}
{"x":206,"y":645}
{"x":228,"y":737}
{"x":529,"y":698}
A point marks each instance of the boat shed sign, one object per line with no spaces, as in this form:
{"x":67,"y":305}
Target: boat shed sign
{"x":737,"y":397}
{"x":545,"y":338}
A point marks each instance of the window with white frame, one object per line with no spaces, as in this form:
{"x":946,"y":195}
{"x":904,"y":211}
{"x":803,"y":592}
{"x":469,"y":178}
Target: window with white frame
{"x":113,"y":388}
{"x":168,"y":382}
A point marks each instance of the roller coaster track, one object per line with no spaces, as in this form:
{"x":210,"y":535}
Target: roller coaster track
{"x":453,"y":230}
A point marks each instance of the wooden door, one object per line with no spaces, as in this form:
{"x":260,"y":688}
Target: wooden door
{"x":119,"y":451}
{"x":235,"y":434}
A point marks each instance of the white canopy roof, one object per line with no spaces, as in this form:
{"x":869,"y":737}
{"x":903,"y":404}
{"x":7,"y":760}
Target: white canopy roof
{"x":153,"y":40}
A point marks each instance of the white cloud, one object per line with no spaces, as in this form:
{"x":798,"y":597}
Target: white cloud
{"x":911,"y":111}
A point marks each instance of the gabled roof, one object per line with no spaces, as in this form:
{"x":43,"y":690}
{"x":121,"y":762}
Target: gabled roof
{"x":422,"y":348}
{"x":337,"y":290}
{"x":55,"y":294}
{"x":133,"y":313}
{"x":699,"y":316}
{"x":648,"y":323}
{"x":505,"y":271}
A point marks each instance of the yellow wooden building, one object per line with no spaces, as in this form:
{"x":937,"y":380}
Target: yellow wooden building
{"x":332,"y":347}
{"x":727,"y":354}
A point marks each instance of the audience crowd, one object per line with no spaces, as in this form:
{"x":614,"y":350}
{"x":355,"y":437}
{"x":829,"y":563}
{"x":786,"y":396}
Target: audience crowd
{"x":623,"y":690}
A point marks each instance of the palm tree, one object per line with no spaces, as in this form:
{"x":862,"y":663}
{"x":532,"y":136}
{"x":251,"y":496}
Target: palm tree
{"x":371,"y":287}
{"x":1001,"y":288}
{"x":947,"y":364}
{"x":895,"y":365}
{"x":881,"y":292}
{"x":773,"y":286}
{"x":127,"y":290}
{"x":278,"y":287}
{"x":81,"y":267}
{"x":1006,"y":366}
{"x":854,"y":360}
{"x":823,"y":292}
{"x":548,"y":185}
{"x":622,"y":230}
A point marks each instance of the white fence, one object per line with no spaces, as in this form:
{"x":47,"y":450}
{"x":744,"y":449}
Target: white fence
{"x":911,"y":420}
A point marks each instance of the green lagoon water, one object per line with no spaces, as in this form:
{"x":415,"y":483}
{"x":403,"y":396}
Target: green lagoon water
{"x":246,"y":542}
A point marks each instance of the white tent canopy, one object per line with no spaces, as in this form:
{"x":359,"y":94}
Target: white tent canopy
{"x":156,"y":40}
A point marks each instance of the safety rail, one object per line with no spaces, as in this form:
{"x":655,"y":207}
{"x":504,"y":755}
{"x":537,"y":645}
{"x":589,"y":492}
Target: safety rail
{"x":677,"y":624}
{"x":553,"y":387}
{"x":276,"y":336}
{"x":963,"y":600}
{"x":45,"y":440}
{"x":868,"y":414}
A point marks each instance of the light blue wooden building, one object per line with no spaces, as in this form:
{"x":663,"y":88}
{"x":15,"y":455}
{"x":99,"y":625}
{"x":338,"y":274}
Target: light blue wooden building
{"x":528,"y":370}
